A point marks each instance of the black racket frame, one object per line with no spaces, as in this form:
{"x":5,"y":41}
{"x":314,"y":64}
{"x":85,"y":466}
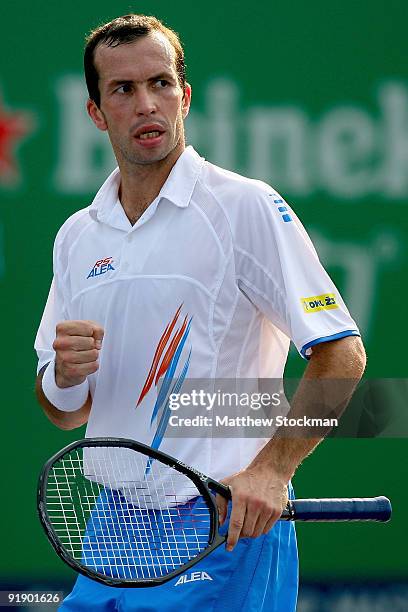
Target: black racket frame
{"x":201,"y":481}
{"x":357,"y":509}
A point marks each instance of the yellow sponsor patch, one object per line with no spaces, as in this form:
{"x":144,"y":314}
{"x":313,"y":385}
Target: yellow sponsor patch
{"x":327,"y":301}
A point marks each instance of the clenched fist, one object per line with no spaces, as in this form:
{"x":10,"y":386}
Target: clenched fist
{"x":77,"y":345}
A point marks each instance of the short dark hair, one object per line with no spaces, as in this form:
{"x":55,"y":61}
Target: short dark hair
{"x":124,"y":30}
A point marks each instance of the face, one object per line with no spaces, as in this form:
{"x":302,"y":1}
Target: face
{"x":142,"y":104}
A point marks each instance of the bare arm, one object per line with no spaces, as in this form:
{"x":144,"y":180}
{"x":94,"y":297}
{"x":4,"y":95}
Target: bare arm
{"x":341,"y":359}
{"x":259,"y":492}
{"x":77,"y":345}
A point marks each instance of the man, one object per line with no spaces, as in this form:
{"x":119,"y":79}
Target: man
{"x":179,"y":262}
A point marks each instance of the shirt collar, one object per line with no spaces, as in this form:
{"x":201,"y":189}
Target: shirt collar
{"x":178,"y":187}
{"x":182,"y":179}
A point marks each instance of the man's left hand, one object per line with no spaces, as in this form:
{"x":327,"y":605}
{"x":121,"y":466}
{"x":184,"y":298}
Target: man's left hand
{"x":258,"y":499}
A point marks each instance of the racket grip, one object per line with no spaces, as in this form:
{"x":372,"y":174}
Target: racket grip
{"x":359,"y":509}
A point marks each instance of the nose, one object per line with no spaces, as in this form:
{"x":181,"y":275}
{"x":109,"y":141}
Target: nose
{"x":144,"y":101}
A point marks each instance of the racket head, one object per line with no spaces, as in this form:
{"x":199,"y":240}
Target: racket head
{"x":105,"y":499}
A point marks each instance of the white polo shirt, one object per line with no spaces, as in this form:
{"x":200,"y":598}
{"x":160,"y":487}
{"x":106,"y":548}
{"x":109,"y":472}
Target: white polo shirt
{"x":212,"y":281}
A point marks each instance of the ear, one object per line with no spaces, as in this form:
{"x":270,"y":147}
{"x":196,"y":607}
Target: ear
{"x":186,"y":100}
{"x":96,"y":115}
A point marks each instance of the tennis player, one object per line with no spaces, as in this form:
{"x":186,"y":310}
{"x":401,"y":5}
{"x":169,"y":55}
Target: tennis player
{"x":180,"y":268}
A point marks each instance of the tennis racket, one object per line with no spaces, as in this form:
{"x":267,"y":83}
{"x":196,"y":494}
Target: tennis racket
{"x":127,"y":515}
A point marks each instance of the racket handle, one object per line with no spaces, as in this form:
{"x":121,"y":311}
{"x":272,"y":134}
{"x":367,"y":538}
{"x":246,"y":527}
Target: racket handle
{"x":359,"y":509}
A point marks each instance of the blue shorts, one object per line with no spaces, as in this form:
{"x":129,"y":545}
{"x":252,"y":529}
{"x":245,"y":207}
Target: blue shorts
{"x":260,"y":575}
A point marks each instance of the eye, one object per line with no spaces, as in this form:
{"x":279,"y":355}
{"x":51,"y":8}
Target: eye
{"x":161,"y":83}
{"x":125,"y":88}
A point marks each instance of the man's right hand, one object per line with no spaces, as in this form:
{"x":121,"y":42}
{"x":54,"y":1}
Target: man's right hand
{"x":77,"y":345}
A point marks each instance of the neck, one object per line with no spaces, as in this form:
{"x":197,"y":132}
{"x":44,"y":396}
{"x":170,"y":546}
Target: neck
{"x":140,"y":184}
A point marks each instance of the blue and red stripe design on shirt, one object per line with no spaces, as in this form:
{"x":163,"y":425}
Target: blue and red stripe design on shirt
{"x":163,"y":368}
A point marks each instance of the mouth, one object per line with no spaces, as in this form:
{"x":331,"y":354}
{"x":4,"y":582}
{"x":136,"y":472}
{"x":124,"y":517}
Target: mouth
{"x":149,"y":135}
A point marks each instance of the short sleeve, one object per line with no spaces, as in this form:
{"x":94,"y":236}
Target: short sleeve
{"x":278,"y":269}
{"x":54,"y":312}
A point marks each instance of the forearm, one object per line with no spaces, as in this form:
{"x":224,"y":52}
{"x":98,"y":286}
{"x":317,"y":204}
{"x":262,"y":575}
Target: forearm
{"x":340,"y":362}
{"x":63,"y":420}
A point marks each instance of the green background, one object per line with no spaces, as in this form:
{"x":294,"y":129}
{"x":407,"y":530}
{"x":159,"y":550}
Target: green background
{"x":328,"y":83}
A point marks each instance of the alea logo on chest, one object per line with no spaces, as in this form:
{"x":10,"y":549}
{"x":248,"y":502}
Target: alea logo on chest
{"x":101,"y":267}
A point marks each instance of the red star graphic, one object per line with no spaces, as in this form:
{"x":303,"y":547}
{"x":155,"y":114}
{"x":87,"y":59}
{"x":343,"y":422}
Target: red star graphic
{"x":13,"y":127}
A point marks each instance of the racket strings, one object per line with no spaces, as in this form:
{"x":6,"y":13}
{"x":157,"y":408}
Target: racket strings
{"x":122,"y":518}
